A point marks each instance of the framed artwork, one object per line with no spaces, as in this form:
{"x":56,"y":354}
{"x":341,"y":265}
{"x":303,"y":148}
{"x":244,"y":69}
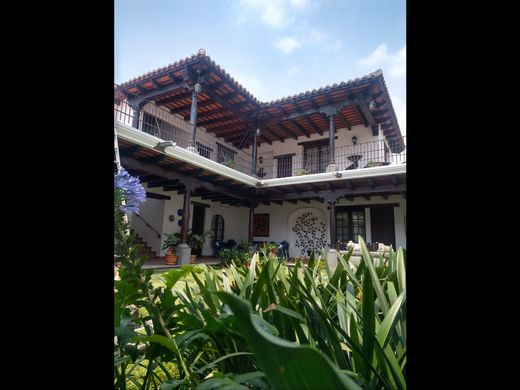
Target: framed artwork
{"x":261,"y":225}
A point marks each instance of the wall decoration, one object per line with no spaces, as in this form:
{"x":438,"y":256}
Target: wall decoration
{"x":310,"y":234}
{"x":179,"y":212}
{"x":180,"y":222}
{"x":261,"y":225}
{"x":171,"y":217}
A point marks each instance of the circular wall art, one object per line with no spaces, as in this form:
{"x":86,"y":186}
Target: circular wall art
{"x":180,"y":222}
{"x":171,"y":218}
{"x":179,"y":212}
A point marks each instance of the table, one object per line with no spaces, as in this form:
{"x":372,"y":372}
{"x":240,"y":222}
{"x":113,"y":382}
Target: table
{"x":355,"y":159}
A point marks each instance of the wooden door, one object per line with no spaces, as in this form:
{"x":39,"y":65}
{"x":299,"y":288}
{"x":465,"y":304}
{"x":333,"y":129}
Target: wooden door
{"x":197,"y":227}
{"x":382,"y":225}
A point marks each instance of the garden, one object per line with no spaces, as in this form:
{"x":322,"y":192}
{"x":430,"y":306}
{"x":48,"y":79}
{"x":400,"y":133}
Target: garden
{"x":257,"y":322}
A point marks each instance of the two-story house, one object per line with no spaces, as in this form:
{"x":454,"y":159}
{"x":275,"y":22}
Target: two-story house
{"x":317,"y":168}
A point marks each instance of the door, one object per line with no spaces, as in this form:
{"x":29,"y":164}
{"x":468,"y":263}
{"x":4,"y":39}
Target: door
{"x":197,"y":227}
{"x":383,"y":226}
{"x":315,"y":159}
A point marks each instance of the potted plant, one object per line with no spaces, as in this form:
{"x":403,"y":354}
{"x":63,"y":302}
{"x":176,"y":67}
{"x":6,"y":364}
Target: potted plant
{"x":300,"y":172}
{"x":228,"y":162}
{"x":195,"y":241}
{"x":170,"y":243}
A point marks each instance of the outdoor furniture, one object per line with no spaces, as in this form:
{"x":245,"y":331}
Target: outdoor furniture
{"x":354,"y":158}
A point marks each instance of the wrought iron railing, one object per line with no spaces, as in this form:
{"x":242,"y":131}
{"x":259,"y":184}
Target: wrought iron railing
{"x":148,"y":225}
{"x":161,"y":123}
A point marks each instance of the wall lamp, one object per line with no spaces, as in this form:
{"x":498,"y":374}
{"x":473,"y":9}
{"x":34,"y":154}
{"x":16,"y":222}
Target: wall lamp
{"x":163,"y":145}
{"x":354,"y":140}
{"x":261,"y":160}
{"x":372,"y":105}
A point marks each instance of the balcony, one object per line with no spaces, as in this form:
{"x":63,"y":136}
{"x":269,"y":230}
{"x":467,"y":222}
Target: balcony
{"x":162,"y":124}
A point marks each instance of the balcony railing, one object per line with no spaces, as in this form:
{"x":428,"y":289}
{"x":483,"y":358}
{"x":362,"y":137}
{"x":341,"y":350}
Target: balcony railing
{"x":162,"y":124}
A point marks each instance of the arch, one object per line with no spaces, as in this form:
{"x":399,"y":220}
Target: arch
{"x":319,"y":228}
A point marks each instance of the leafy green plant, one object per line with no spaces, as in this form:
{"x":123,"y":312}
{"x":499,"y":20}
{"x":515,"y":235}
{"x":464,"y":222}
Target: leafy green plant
{"x":195,"y":241}
{"x":300,"y":172}
{"x":170,"y":242}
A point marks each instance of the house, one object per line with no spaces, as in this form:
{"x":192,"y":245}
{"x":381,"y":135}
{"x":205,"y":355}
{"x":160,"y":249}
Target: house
{"x":317,"y":168}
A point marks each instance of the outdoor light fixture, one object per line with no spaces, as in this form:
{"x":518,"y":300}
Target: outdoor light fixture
{"x":198,"y":88}
{"x":261,"y":160}
{"x":372,"y":105}
{"x":163,"y":145}
{"x":354,"y":140}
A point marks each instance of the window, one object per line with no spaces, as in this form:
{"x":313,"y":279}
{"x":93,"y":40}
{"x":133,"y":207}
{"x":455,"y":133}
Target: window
{"x":217,"y":225}
{"x":284,"y":166}
{"x":316,"y":158}
{"x":204,"y":150}
{"x":350,"y":223}
{"x":224,"y":153}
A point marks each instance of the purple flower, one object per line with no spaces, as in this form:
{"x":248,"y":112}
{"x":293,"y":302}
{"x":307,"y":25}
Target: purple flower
{"x":132,"y":191}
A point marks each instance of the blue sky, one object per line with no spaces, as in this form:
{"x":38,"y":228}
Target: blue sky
{"x":274,"y":48}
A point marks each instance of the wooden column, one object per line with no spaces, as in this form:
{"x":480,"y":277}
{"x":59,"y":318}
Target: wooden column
{"x":331,"y":139}
{"x":137,"y":105}
{"x":193,"y":117}
{"x":185,"y":216}
{"x":253,"y":165}
{"x":333,"y":234}
{"x":251,"y":220}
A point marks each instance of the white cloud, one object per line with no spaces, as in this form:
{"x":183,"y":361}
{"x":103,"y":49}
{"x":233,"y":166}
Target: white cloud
{"x":394,"y":62}
{"x":308,"y":37}
{"x":287,"y":44}
{"x":273,"y":13}
{"x":293,"y":70}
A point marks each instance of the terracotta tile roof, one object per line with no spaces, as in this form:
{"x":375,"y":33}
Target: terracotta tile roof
{"x":327,"y":88}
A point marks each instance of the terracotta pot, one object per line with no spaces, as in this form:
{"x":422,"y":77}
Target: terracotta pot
{"x":171,"y":259}
{"x":192,"y":259}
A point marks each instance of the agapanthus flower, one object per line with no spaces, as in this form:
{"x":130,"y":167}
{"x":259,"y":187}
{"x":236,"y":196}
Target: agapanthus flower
{"x":132,"y":191}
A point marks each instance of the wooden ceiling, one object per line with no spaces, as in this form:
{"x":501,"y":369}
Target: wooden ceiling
{"x":228,"y":110}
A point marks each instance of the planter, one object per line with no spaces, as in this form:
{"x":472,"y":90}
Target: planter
{"x":192,"y":259}
{"x":171,"y":259}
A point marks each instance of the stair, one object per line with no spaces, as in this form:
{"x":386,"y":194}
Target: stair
{"x":145,"y":249}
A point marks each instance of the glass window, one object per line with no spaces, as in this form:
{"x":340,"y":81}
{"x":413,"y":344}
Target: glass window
{"x":284,"y":166}
{"x":204,"y":150}
{"x":350,"y":223}
{"x":224,"y":153}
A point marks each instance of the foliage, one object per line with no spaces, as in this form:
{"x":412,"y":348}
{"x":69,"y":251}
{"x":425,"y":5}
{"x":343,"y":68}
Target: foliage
{"x":240,"y":257}
{"x":244,"y":245}
{"x":195,"y":241}
{"x":259,"y":325}
{"x":300,"y":172}
{"x":170,"y":242}
{"x":229,"y":162}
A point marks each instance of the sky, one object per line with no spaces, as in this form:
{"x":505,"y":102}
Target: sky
{"x":274,"y":48}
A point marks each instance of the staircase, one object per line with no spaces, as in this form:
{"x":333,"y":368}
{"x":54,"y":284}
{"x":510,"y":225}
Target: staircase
{"x":145,"y":249}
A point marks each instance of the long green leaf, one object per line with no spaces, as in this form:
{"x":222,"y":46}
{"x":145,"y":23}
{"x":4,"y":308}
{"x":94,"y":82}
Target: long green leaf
{"x":375,"y":279}
{"x":286,"y":365}
{"x":390,"y":317}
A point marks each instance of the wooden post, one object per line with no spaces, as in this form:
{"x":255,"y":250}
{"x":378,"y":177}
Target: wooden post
{"x":137,"y":105}
{"x":185,"y":217}
{"x":251,"y":221}
{"x":331,"y":139}
{"x":254,"y":158}
{"x":333,"y":234}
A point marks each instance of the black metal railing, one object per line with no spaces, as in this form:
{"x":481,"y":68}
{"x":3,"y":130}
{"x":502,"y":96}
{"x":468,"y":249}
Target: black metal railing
{"x":147,"y":224}
{"x":316,"y":160}
{"x":161,"y":123}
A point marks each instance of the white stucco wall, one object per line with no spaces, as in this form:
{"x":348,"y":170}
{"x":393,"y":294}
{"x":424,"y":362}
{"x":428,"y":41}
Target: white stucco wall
{"x":236,"y":219}
{"x":343,"y":140}
{"x":152,"y":210}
